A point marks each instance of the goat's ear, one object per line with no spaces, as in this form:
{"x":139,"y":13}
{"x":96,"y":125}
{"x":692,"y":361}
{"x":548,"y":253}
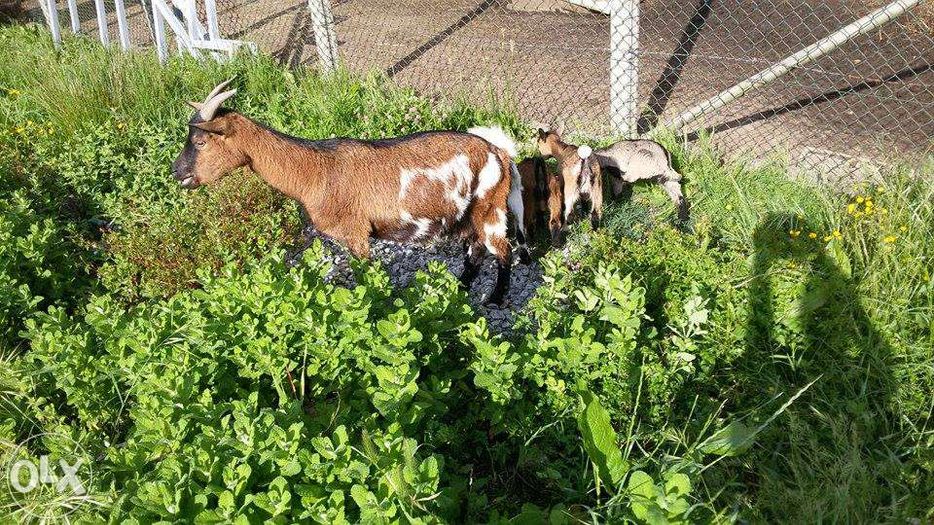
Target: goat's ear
{"x":218,"y":126}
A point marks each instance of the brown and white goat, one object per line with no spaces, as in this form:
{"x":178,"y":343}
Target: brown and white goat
{"x":579,"y":173}
{"x":407,"y":189}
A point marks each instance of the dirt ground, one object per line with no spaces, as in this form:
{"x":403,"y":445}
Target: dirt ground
{"x":871,"y":99}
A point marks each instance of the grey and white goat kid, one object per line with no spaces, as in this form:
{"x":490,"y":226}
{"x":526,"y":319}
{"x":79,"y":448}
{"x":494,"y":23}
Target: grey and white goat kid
{"x":630,"y":161}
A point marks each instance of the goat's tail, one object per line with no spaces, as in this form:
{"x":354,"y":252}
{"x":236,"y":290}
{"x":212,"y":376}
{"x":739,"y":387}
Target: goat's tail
{"x":497,"y":137}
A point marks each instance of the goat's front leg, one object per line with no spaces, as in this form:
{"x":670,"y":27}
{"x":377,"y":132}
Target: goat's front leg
{"x":619,"y":185}
{"x":596,"y":201}
{"x":355,"y":237}
{"x":359,"y":246}
{"x":555,"y":209}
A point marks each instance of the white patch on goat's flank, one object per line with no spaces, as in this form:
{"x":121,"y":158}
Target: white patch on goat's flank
{"x":489,"y":175}
{"x":585,"y":184}
{"x":493,"y":230}
{"x":459,"y":192}
{"x":450,"y":173}
{"x":422,"y":224}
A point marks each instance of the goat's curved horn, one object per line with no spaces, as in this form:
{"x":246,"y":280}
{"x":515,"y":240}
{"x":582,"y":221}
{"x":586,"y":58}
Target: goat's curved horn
{"x":210,"y":107}
{"x":195,"y":105}
{"x":217,"y":89}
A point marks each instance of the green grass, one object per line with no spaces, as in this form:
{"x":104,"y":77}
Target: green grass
{"x":774,"y":362}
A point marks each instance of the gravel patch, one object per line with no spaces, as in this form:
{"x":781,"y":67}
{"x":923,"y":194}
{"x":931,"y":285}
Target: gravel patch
{"x":403,"y":261}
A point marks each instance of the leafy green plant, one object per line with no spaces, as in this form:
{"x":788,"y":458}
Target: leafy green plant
{"x":733,"y":371}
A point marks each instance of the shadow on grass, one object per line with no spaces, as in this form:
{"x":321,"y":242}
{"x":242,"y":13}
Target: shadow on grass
{"x":827,"y":455}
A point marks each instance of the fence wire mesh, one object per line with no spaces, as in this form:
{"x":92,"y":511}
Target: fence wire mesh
{"x":868,"y":101}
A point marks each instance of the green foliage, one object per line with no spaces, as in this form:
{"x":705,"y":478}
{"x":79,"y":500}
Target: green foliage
{"x":37,"y":266}
{"x":772,"y":363}
{"x":600,"y":441}
{"x":663,"y":503}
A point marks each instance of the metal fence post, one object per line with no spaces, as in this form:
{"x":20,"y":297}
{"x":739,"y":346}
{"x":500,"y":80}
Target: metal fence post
{"x":158,"y":27}
{"x":102,"y":22}
{"x":73,"y":14}
{"x":210,"y":11}
{"x":322,"y":21}
{"x":122,"y":30}
{"x":50,"y":9}
{"x":624,"y":65}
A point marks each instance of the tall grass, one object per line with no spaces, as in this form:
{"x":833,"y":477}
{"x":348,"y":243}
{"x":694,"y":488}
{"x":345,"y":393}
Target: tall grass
{"x":83,"y":85}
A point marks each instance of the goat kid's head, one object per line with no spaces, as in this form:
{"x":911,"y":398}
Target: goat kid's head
{"x":548,"y":141}
{"x":209,"y":153}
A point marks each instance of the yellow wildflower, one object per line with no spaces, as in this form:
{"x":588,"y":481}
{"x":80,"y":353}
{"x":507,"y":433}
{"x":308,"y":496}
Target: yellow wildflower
{"x":837,"y":235}
{"x":889,"y":239}
{"x":904,"y":228}
{"x":851,"y":208}
{"x":13,"y":92}
{"x":827,"y":238}
{"x":860,"y":199}
{"x":728,"y":207}
{"x":812,"y":235}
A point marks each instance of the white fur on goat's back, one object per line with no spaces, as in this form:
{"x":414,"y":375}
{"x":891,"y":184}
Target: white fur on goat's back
{"x":497,"y":137}
{"x":490,"y":175}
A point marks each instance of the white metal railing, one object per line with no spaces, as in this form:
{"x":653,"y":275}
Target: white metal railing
{"x":181,"y":16}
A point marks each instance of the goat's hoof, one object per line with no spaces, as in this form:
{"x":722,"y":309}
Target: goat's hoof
{"x":498,"y":302}
{"x":496,"y":298}
{"x":524,"y":256}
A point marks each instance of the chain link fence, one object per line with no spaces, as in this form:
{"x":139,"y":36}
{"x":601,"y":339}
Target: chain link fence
{"x":868,"y":101}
